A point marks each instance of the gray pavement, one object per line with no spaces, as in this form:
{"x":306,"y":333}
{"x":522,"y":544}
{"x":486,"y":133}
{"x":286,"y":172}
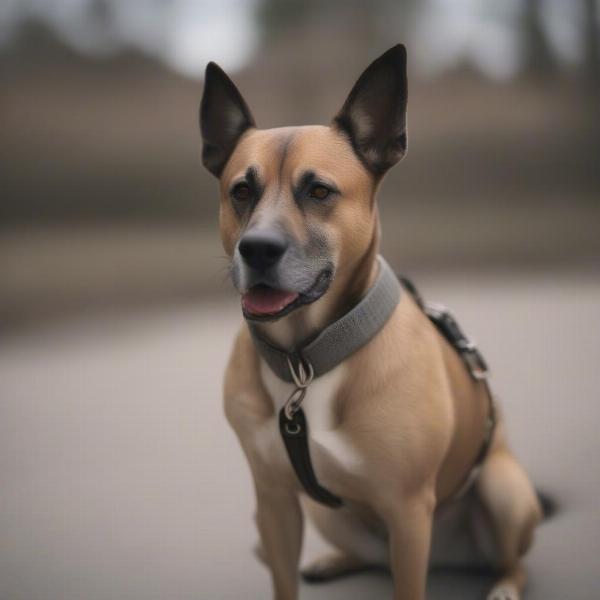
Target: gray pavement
{"x":120,"y":480}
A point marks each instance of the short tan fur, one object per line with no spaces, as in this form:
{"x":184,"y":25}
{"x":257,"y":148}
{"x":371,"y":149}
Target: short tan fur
{"x":403,"y":420}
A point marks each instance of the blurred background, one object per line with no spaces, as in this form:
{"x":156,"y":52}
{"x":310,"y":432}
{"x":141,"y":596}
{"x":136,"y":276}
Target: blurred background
{"x":104,"y":199}
{"x":115,"y":313}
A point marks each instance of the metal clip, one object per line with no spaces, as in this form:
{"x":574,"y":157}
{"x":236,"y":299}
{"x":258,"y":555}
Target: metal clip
{"x":302,"y":379}
{"x":474,"y":359}
{"x":436,"y":310}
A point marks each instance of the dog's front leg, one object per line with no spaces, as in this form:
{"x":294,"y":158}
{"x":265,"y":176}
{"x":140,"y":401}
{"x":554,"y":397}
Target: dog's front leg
{"x":279,"y":520}
{"x":409,"y":526}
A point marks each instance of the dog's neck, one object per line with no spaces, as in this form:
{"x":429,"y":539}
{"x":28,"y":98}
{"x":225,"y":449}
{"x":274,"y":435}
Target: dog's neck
{"x":347,"y":289}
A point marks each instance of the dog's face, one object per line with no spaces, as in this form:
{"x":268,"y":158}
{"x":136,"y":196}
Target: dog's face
{"x":297,"y":203}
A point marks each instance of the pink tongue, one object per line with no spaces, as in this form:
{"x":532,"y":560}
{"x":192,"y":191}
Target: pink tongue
{"x":265,"y":300}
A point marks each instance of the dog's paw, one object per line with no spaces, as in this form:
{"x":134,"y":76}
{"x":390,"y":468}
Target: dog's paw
{"x":332,"y":566}
{"x":504,"y":592}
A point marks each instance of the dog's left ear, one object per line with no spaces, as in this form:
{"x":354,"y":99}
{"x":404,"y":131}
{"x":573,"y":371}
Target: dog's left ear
{"x":374,"y":114}
{"x":224,"y":117}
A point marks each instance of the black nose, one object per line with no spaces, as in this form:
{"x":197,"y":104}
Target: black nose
{"x":262,"y":249}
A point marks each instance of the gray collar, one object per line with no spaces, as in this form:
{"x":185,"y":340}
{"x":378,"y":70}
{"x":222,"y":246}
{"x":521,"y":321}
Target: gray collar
{"x":340,"y":339}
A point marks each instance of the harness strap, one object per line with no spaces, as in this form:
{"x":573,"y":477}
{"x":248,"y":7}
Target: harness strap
{"x":477,"y":367}
{"x":294,"y":432}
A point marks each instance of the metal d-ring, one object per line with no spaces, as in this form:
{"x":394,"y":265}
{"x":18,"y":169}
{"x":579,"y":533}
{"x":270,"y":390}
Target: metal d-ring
{"x":293,"y":428}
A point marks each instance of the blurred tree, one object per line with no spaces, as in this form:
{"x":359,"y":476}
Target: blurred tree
{"x":275,"y":17}
{"x":539,"y":59}
{"x":591,"y":34}
{"x":102,"y":13}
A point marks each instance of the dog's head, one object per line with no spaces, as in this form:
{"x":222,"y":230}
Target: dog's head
{"x":297,"y":203}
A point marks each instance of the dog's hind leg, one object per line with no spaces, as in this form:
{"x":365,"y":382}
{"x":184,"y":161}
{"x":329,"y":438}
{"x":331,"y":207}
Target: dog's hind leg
{"x":358,"y":546}
{"x":513,"y":509}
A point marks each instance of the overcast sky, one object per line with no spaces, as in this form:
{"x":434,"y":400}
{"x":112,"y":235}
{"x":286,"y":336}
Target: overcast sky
{"x":186,"y":34}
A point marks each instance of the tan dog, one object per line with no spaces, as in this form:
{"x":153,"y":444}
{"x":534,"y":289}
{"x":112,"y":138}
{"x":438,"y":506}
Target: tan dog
{"x":396,"y":427}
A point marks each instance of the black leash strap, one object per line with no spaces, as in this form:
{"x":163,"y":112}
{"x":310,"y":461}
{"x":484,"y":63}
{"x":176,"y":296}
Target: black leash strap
{"x":294,"y":432}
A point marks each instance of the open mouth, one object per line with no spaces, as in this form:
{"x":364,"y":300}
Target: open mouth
{"x":266,"y":303}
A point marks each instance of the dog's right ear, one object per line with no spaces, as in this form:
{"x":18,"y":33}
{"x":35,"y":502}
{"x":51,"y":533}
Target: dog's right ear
{"x":224,"y":117}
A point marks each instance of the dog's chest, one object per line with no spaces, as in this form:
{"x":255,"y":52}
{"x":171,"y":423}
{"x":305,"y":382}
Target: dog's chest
{"x":331,"y":449}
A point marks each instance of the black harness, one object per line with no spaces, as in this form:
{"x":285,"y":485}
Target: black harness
{"x":294,"y":426}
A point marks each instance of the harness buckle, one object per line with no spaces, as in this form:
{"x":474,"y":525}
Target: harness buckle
{"x":466,"y":347}
{"x":475,"y":361}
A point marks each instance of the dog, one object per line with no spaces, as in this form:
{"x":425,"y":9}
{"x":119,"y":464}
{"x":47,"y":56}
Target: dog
{"x":397,"y":425}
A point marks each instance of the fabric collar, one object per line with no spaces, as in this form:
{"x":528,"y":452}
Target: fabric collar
{"x":343,"y":337}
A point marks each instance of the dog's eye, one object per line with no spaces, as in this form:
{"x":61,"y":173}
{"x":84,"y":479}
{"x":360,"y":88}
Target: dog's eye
{"x":241,"y":192}
{"x":320,"y":192}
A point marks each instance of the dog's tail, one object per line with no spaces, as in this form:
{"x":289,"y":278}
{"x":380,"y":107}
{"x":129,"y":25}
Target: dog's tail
{"x":548,"y":504}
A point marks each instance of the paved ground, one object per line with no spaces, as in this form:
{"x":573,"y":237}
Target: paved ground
{"x":121,"y":481}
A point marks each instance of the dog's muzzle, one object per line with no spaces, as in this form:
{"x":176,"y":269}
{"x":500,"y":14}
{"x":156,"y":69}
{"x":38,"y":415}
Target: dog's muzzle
{"x":275,"y":276}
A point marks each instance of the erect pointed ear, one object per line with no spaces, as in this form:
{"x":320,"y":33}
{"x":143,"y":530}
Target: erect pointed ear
{"x":224,"y":116}
{"x":374,"y":114}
